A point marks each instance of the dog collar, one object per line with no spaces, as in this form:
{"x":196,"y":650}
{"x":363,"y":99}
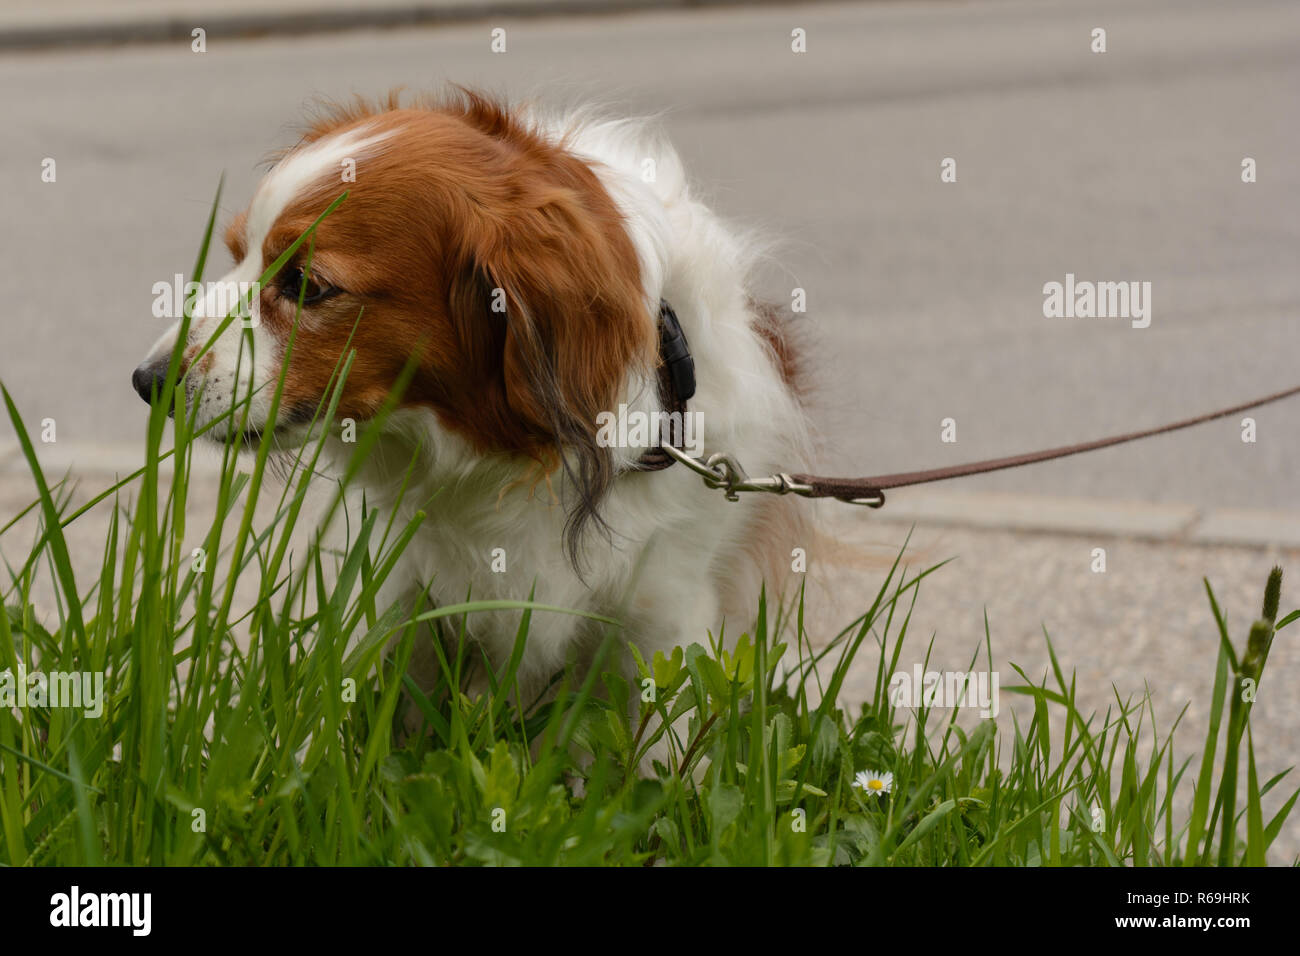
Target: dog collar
{"x":676,"y":381}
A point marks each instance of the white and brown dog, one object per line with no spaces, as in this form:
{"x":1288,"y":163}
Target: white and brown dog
{"x":521,"y":260}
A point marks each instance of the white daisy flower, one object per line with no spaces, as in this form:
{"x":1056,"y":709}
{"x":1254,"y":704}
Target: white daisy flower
{"x":874,"y":784}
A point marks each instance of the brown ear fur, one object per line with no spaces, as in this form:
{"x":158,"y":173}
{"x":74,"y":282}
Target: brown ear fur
{"x":575,"y":321}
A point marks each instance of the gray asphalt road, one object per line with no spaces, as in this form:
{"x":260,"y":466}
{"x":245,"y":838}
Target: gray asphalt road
{"x":925,"y":299}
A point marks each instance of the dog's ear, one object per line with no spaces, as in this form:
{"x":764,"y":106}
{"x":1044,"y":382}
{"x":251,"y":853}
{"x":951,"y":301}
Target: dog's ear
{"x":560,"y":286}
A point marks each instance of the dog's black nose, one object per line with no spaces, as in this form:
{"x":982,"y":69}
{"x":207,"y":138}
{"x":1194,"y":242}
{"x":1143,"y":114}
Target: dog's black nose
{"x":148,"y":379}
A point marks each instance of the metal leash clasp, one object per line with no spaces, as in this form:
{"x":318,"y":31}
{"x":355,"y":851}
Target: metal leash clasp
{"x":722,"y":470}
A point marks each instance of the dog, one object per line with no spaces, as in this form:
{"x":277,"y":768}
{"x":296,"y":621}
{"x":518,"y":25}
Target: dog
{"x":544,"y":279}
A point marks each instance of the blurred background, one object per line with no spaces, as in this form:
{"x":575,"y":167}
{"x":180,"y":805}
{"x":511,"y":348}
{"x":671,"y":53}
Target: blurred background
{"x":924,"y":298}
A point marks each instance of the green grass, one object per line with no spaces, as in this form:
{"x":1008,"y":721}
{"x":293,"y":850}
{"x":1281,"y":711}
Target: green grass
{"x":275,"y":733}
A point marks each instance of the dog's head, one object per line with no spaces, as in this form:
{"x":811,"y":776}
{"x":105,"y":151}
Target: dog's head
{"x":469,"y":246}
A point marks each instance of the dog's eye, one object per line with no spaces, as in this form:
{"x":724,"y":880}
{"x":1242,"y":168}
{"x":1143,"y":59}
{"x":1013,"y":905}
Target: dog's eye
{"x":296,"y":282}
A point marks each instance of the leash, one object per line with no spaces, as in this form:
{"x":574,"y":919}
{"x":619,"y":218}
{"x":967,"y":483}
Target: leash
{"x":723,"y":471}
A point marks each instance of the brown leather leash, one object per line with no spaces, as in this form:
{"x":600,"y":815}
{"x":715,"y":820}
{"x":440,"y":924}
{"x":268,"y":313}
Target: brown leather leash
{"x":722,"y":470}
